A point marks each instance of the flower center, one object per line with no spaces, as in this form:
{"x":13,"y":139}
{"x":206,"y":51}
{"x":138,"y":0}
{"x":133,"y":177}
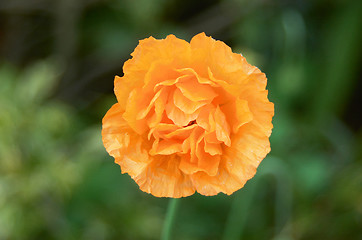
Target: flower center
{"x":191,"y":123}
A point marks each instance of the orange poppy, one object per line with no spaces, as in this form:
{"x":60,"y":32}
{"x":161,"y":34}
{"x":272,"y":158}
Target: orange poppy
{"x":189,"y":117}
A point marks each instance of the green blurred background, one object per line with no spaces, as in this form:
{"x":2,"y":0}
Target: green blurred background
{"x":58,"y":59}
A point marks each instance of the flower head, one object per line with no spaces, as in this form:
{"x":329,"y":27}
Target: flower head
{"x":189,"y":117}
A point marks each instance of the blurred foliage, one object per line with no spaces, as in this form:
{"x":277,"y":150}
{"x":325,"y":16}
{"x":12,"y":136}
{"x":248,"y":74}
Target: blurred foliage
{"x":57,"y":63}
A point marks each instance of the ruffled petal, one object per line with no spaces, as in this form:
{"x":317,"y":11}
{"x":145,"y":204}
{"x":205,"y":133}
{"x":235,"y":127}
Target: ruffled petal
{"x":181,"y":133}
{"x":196,"y":92}
{"x":123,"y":143}
{"x":178,"y":116}
{"x":142,"y":113}
{"x":212,"y":148}
{"x":134,"y":103}
{"x":163,"y":178}
{"x":167,"y":147}
{"x":207,"y":162}
{"x":191,"y":72}
{"x":262,"y":110}
{"x":237,"y":113}
{"x":169,"y":49}
{"x":116,"y":133}
{"x":170,"y":82}
{"x":222,"y":128}
{"x":185,"y":104}
{"x":188,"y":167}
{"x":223,"y":182}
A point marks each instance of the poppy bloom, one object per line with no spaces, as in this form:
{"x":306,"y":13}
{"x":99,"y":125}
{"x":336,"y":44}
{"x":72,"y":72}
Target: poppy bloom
{"x":189,"y":117}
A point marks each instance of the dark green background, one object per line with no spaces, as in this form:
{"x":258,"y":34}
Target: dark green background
{"x":58,"y":59}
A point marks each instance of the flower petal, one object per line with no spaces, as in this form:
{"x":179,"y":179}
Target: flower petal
{"x":188,"y":167}
{"x":223,"y":181}
{"x":178,"y":116}
{"x":181,"y":133}
{"x":143,"y":112}
{"x":222,"y":128}
{"x":166,"y":147}
{"x":212,"y":148}
{"x":206,"y":162}
{"x":132,"y":110}
{"x":238,"y":113}
{"x":163,"y":178}
{"x":170,"y":82}
{"x":160,"y":105}
{"x":196,"y":92}
{"x":192,"y":72}
{"x":115,"y":131}
{"x":185,"y":104}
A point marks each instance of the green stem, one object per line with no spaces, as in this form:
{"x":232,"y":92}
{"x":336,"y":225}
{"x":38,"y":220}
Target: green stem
{"x":170,"y":218}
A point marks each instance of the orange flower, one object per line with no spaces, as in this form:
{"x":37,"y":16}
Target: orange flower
{"x":189,"y":117}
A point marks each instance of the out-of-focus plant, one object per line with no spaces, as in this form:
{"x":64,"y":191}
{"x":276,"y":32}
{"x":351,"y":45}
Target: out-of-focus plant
{"x":40,"y":156}
{"x":37,"y":171}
